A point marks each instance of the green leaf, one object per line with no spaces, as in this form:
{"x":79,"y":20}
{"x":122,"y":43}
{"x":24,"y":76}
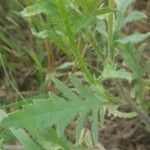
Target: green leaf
{"x":122,"y":5}
{"x":101,"y":28}
{"x":67,"y":92}
{"x":49,"y":140}
{"x":131,"y":60}
{"x":84,"y":91}
{"x":46,"y":6}
{"x":84,"y":22}
{"x":24,"y":139}
{"x":53,"y":137}
{"x":89,"y":19}
{"x":45,"y":113}
{"x":134,"y":38}
{"x":111,"y":72}
{"x":103,"y":11}
{"x":20,"y":134}
{"x":55,"y":110}
{"x":134,"y":16}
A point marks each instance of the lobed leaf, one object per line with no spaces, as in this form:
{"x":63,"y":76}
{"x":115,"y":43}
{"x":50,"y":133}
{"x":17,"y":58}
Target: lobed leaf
{"x":45,"y":113}
{"x":111,"y":72}
{"x":114,"y":110}
{"x":134,"y":16}
{"x":134,"y":38}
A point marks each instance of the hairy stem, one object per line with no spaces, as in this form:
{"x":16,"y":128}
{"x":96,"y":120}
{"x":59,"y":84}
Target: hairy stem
{"x":110,"y":30}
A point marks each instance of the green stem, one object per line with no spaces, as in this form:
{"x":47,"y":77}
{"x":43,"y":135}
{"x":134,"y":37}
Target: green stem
{"x":73,"y":44}
{"x":110,"y":30}
{"x":7,"y":76}
{"x":83,"y":65}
